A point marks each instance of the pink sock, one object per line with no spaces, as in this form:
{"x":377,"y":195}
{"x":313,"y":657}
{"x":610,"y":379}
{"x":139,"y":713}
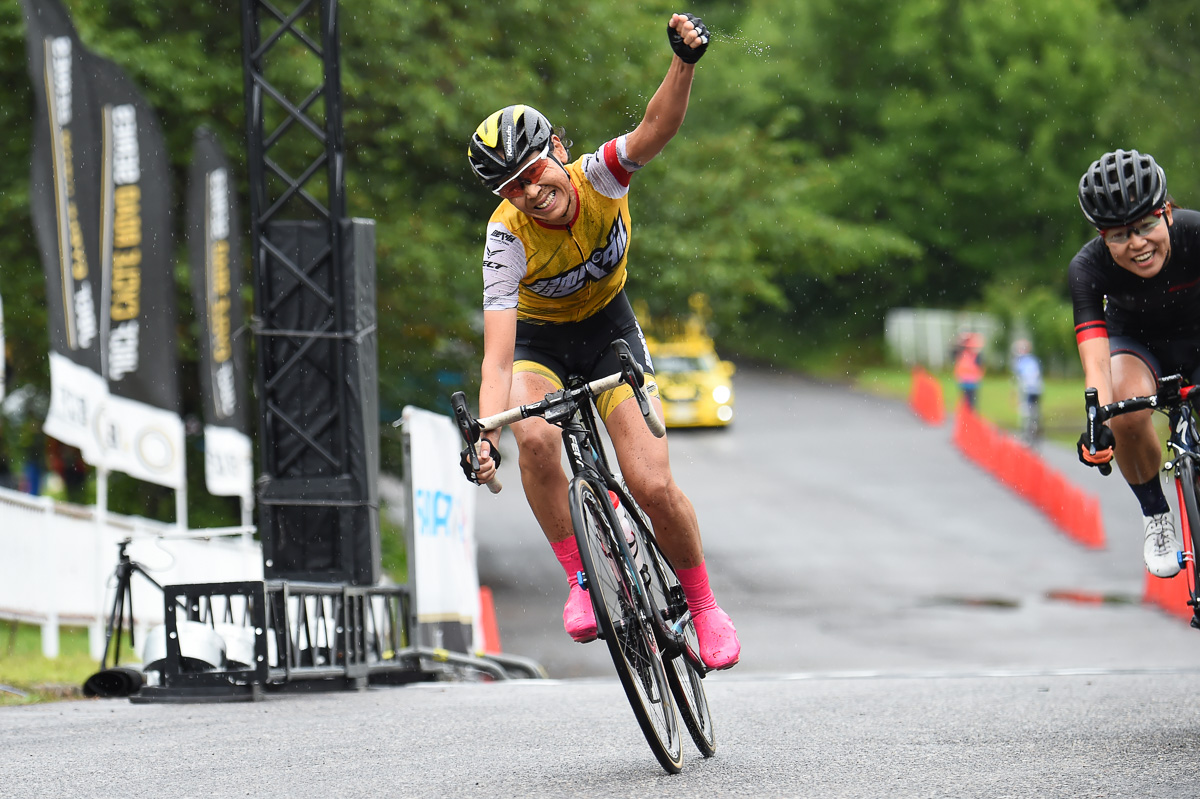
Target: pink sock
{"x":694,"y":582}
{"x":567,"y":552}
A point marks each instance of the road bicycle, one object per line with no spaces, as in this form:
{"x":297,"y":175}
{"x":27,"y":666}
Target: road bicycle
{"x":1180,"y":403}
{"x":641,"y":612}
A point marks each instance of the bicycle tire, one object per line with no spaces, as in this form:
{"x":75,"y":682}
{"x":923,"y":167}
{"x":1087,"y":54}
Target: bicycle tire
{"x":688,"y":686}
{"x":623,"y":621}
{"x":686,"y":682}
{"x":1185,"y":473}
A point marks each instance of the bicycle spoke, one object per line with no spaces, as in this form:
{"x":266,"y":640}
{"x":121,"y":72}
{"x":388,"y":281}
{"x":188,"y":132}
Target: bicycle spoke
{"x":624,"y":626}
{"x":683,"y":675}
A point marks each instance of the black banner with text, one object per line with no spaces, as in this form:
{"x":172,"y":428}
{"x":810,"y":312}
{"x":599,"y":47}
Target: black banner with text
{"x":100,"y":195}
{"x":142,"y":431}
{"x":214,"y":250}
{"x":65,"y":204}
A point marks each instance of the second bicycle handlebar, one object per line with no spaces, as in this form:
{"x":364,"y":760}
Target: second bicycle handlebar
{"x":1171,"y":394}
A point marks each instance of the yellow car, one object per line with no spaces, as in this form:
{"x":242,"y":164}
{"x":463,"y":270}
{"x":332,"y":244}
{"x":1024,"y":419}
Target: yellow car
{"x":694,"y":384}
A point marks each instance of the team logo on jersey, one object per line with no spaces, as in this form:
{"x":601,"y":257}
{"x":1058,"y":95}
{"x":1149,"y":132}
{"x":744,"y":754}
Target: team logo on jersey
{"x":599,"y":265}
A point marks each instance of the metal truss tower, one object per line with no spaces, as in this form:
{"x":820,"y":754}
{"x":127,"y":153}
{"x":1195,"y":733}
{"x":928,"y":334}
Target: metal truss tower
{"x":314,"y":304}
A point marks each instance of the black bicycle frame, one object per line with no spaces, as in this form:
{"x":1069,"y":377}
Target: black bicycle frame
{"x":579,"y":433}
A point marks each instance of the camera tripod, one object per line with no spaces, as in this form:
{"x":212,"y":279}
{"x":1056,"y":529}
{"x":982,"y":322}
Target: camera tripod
{"x":122,"y":603}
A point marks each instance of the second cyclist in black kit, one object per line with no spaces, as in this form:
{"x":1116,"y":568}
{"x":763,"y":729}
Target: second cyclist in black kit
{"x":1135,"y":289}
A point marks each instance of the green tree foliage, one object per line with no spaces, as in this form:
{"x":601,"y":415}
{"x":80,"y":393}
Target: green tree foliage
{"x":840,"y":157}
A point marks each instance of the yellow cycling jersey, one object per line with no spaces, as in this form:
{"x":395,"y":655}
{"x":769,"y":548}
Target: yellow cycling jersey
{"x":556,"y":274}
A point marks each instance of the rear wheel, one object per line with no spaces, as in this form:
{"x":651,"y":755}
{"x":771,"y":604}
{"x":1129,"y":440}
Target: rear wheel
{"x":686,"y":682}
{"x":688,"y":686}
{"x":622,"y":618}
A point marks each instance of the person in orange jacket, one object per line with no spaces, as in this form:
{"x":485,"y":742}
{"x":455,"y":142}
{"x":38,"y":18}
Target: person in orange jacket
{"x":968,"y":366}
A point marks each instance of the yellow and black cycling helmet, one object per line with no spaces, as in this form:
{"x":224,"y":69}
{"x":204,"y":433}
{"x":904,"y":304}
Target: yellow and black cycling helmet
{"x":504,"y":141}
{"x":1120,"y":188}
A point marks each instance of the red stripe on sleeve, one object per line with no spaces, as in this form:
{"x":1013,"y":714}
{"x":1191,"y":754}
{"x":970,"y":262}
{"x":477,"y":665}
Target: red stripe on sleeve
{"x":614,"y":164}
{"x":1090,"y":330}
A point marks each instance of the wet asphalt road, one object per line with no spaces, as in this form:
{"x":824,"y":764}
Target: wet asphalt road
{"x":841,"y":533}
{"x":899,"y":638}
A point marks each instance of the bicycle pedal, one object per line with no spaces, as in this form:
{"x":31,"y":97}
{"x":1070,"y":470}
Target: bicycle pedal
{"x":1196,"y":622}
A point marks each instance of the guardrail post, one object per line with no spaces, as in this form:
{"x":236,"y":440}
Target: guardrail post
{"x":50,"y":644}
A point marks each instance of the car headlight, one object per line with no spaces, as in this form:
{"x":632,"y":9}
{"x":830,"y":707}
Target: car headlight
{"x":721,"y":394}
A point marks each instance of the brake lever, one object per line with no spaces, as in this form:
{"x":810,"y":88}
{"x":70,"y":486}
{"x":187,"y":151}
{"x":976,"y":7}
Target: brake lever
{"x":1170,"y":390}
{"x":471,"y":432}
{"x":633,"y":374}
{"x":1091,"y":402}
{"x":467,"y":426}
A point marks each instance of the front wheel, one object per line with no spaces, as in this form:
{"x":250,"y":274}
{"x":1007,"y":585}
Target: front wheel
{"x":1189,"y":518}
{"x":622,"y":618}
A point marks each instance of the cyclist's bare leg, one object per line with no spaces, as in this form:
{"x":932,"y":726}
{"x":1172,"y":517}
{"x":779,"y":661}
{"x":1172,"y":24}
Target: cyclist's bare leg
{"x":1138,"y":451}
{"x":545,"y":484}
{"x":645,"y":465}
{"x":540,"y":447}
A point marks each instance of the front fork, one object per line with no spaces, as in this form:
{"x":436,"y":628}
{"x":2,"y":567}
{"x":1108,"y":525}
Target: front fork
{"x":1187,"y":554}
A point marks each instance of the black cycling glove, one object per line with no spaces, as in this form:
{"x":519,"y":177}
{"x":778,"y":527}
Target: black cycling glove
{"x":689,"y":55}
{"x":1104,"y":447}
{"x":464,"y":460}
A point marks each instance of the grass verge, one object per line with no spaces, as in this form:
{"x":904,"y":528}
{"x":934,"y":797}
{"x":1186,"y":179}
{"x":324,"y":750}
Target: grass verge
{"x":1062,"y":399}
{"x":24,"y":669}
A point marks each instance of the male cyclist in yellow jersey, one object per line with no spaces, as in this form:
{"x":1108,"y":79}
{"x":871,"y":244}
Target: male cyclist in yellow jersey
{"x":554,"y":276}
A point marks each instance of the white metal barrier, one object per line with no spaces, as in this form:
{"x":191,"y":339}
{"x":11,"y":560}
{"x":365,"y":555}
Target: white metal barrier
{"x":57,"y":564}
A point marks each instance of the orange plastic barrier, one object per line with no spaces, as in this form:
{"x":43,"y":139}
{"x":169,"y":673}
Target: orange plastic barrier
{"x":1072,"y":510}
{"x":487,"y":618}
{"x":925,"y":397}
{"x":1171,"y":595}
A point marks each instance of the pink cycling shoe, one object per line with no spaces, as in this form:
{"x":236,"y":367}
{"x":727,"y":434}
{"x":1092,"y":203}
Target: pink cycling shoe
{"x":719,"y":645}
{"x":578,"y":617}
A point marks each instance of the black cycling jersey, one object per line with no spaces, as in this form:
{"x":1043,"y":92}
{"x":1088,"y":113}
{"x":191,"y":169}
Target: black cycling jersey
{"x":1160,"y":308}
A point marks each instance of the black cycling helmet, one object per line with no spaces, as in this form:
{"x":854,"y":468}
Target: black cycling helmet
{"x":1121,"y":188}
{"x":504,"y":140}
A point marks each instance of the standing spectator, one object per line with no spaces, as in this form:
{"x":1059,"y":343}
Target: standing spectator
{"x":1027,"y":371}
{"x":968,"y":366}
{"x":7,"y":479}
{"x":67,"y":462}
{"x":35,"y":451}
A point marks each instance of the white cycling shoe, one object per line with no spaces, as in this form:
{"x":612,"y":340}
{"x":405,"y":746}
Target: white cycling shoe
{"x":1162,"y":548}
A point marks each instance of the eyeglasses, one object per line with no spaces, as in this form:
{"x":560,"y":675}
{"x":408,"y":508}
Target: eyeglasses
{"x":515,"y":186}
{"x":1120,"y":235}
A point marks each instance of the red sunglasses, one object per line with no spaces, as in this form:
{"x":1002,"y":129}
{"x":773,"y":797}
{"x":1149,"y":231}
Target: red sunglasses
{"x":515,"y":186}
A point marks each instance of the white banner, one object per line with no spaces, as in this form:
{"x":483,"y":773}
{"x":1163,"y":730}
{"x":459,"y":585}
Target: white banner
{"x":142,"y":441}
{"x":115,"y":433}
{"x":76,"y":394}
{"x":443,"y":513}
{"x":228,"y":462}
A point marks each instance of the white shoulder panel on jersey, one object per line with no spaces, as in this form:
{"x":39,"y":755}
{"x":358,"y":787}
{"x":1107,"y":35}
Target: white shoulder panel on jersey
{"x":503,"y":268}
